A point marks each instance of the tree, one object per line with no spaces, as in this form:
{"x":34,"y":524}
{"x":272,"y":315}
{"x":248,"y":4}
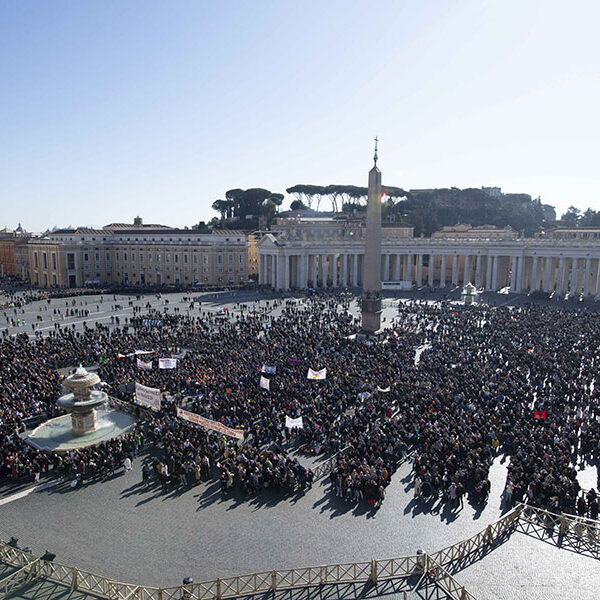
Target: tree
{"x":221,"y":207}
{"x":233,"y":196}
{"x":297,"y":205}
{"x":572,"y":217}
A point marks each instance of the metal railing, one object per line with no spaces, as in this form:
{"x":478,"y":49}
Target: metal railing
{"x":423,"y":565}
{"x":568,"y":530}
{"x":488,"y":536}
{"x":430,"y":567}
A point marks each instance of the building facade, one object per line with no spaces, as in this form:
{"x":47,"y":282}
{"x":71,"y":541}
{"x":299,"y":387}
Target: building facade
{"x":14,"y":260}
{"x":292,"y":257}
{"x":144,"y":255}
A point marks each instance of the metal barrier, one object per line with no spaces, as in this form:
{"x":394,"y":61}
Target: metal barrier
{"x":580,"y":533}
{"x":428,"y":567}
{"x":486,"y":537}
{"x":431,"y":567}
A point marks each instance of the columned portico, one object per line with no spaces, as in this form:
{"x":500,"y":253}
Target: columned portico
{"x":525,"y":265}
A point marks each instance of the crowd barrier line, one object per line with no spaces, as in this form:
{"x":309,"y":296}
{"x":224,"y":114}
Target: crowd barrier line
{"x":424,"y":565}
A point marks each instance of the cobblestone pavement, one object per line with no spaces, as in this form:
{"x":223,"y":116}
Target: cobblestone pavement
{"x":101,"y":307}
{"x":121,"y":530}
{"x":529,"y":569}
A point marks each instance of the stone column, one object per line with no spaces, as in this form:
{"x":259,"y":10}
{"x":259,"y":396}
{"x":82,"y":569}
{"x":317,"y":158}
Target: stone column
{"x":325,"y":269}
{"x":496,"y":260}
{"x":303,"y":281}
{"x":533,"y":286}
{"x":419,"y":270}
{"x":431,"y":267}
{"x":455,"y":270}
{"x":520,"y":271}
{"x":286,"y":272}
{"x":586,"y":277}
{"x":386,"y":267}
{"x":478,"y":272}
{"x":407,"y":268}
{"x":344,"y":270}
{"x":560,"y":276}
{"x":574,"y":268}
{"x":315,"y":270}
{"x":443,"y":272}
{"x":355,"y":270}
{"x":269,"y":269}
{"x":547,"y":274}
{"x":397,"y":266}
{"x":489,"y":262}
{"x":334,"y":271}
{"x":261,"y":269}
{"x":513,"y":274}
{"x":467,"y":270}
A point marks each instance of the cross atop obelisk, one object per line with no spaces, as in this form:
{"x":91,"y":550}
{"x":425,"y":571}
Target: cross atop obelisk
{"x":371,"y":295}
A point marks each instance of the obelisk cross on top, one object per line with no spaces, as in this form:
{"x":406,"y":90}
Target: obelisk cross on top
{"x":371,"y":295}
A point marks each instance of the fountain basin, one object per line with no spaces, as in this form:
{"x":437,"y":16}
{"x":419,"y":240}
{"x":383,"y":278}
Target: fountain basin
{"x":57,"y":434}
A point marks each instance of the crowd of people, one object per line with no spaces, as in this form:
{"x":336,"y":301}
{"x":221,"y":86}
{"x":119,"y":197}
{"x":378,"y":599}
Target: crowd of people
{"x":488,"y":380}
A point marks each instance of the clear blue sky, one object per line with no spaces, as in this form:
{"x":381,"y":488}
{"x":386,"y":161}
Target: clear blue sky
{"x":111,"y":109}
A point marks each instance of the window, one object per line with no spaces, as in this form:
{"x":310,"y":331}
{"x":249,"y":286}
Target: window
{"x":141,"y":257}
{"x":195,"y":259}
{"x":35,"y":261}
{"x":241,"y":259}
{"x":117,"y":256}
{"x":124,"y":255}
{"x":205,"y":259}
{"x":185,"y":259}
{"x":108,"y":257}
{"x":230,"y":259}
{"x":45,"y":260}
{"x":54,"y":262}
{"x":167,"y":257}
{"x":205,"y":269}
{"x":53,"y":279}
{"x":86,"y":257}
{"x":97,"y":256}
{"x":219,"y":259}
{"x":177,"y":258}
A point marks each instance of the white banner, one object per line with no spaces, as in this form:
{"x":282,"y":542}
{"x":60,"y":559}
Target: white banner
{"x":135,"y":353}
{"x":147,"y":396}
{"x":268,"y":370}
{"x":144,"y":365}
{"x":293,"y":423}
{"x":317,"y":374}
{"x":167,"y":363}
{"x":387,"y":389}
{"x":208,"y":424}
{"x":264,"y":383}
{"x":180,"y":355}
{"x":364,"y":395}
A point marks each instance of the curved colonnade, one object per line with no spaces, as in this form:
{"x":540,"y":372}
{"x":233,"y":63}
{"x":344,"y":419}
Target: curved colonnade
{"x":525,"y":266}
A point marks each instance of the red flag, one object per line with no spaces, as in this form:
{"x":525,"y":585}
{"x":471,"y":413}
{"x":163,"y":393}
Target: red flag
{"x":539,"y":414}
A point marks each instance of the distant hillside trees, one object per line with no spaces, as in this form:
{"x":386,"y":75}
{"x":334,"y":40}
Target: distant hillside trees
{"x":242,"y":208}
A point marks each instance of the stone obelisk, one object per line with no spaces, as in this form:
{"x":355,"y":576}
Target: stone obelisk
{"x":371,"y":287}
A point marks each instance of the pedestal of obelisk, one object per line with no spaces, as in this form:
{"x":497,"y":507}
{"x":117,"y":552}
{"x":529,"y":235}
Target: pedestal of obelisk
{"x":371,"y":295}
